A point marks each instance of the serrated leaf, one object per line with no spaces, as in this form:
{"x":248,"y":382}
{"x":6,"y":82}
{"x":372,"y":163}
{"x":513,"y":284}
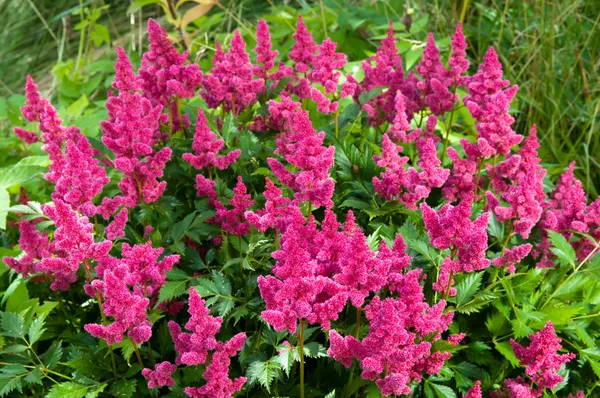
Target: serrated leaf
{"x":8,"y":385}
{"x":314,"y":350}
{"x":263,"y":373}
{"x":442,"y":391}
{"x":504,"y":348}
{"x":171,"y":290}
{"x":68,"y":390}
{"x":562,"y":248}
{"x":12,"y":325}
{"x":35,"y":376}
{"x":285,"y":358}
{"x":180,"y":228}
{"x":123,"y":388}
{"x":467,"y":288}
{"x":36,"y":329}
{"x":496,"y":323}
{"x":54,"y":355}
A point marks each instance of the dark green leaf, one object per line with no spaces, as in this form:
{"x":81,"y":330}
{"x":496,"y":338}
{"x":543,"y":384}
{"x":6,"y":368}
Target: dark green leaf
{"x":468,"y":287}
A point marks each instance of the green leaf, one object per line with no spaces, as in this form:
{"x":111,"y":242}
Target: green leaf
{"x":76,"y":108}
{"x":4,"y":205}
{"x":217,"y":291}
{"x":562,"y":248}
{"x":36,"y":329}
{"x":330,"y":395}
{"x":496,"y":323}
{"x":442,"y":391}
{"x":171,"y":290}
{"x":35,"y":376}
{"x":14,"y":349}
{"x":285,"y":358}
{"x":314,"y":350}
{"x":504,"y":348}
{"x":180,"y":228}
{"x":7,"y":385}
{"x":71,"y":390}
{"x":123,"y":388}
{"x":263,"y":373}
{"x":12,"y":325}
{"x":468,"y":287}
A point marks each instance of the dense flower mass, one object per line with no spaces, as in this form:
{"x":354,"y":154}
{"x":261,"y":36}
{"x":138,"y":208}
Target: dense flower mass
{"x":244,"y":215}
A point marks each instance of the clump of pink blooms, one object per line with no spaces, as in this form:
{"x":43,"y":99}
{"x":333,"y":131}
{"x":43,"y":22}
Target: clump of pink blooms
{"x":320,"y":266}
{"x":194,"y":348}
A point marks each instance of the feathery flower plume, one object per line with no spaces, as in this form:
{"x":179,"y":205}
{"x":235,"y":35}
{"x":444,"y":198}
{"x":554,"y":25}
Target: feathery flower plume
{"x":303,"y":148}
{"x":512,"y":256}
{"x":475,"y":391}
{"x":116,"y":228}
{"x":232,"y":220}
{"x":458,"y":58}
{"x":265,"y":55}
{"x":164,"y":76}
{"x":279,"y":213}
{"x":435,"y":85}
{"x":280,"y":116}
{"x":34,"y":245}
{"x":161,"y":375}
{"x":206,"y":147}
{"x":230,"y":83}
{"x":394,"y":353}
{"x":130,"y":133}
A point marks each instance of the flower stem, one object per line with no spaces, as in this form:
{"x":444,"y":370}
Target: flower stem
{"x":357,"y":328}
{"x":301,"y":354}
{"x":137,"y":354}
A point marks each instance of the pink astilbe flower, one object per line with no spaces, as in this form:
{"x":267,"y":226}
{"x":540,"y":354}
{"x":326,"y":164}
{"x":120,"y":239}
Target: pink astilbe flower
{"x":206,"y":146}
{"x":232,"y":220}
{"x":458,"y":62}
{"x":34,"y":245}
{"x":475,"y":391}
{"x":462,"y":182}
{"x":394,"y":353}
{"x":303,"y":147}
{"x":73,"y":244}
{"x":130,"y":133}
{"x":325,"y":64}
{"x":164,"y":76}
{"x":116,"y":228}
{"x":126,"y":307}
{"x":399,"y":131}
{"x":280,"y":213}
{"x":520,"y":179}
{"x":489,"y":104}
{"x":205,"y":187}
{"x":303,"y":50}
{"x":230,"y":83}
{"x":280,"y":116}
{"x":435,"y":84}
{"x":218,"y":384}
{"x":192,"y":348}
{"x":80,"y":178}
{"x":301,"y":287}
{"x":451,"y":228}
{"x":265,"y":55}
{"x":387,"y":73}
{"x":409,"y":186}
{"x":541,"y":359}
{"x":565,"y":211}
{"x":161,"y":375}
{"x":512,"y":256}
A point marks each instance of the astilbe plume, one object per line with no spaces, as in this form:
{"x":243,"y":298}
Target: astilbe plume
{"x":265,"y":58}
{"x":408,"y":186}
{"x":80,"y":178}
{"x":520,"y":180}
{"x":511,"y":257}
{"x":206,"y":147}
{"x":317,"y":64}
{"x":193,"y":349}
{"x":161,"y":375}
{"x":541,"y":361}
{"x":451,"y":228}
{"x":165,"y":78}
{"x":230,"y":83}
{"x":458,"y":63}
{"x":462,"y":181}
{"x":394,"y":352}
{"x":279,"y":117}
{"x":475,"y":391}
{"x":72,"y":245}
{"x":434,"y":86}
{"x":34,"y":246}
{"x":279,"y":213}
{"x":232,"y":220}
{"x":130,"y":133}
{"x":301,"y":288}
{"x":303,"y":147}
{"x":565,"y":212}
{"x":387,"y":73}
{"x":116,"y":228}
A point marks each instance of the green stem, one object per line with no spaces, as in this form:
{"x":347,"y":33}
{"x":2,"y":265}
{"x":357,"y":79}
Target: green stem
{"x":81,"y":41}
{"x":301,"y":354}
{"x":357,"y":328}
{"x":137,"y":354}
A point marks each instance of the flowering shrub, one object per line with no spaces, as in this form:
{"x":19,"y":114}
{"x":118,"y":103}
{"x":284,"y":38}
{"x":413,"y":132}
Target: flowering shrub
{"x":456,"y":267}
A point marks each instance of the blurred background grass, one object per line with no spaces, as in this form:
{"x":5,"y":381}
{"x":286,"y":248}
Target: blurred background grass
{"x":549,"y":48}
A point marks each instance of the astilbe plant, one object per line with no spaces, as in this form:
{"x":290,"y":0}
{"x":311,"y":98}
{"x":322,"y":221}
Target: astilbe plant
{"x":452,"y":253}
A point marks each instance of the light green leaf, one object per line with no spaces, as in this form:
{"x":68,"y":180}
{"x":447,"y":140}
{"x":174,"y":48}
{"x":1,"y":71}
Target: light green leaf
{"x":504,"y":348}
{"x":36,"y":329}
{"x":263,"y":373}
{"x":442,"y":391}
{"x":12,"y":325}
{"x":562,"y":248}
{"x":69,"y":390}
{"x":4,"y":205}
